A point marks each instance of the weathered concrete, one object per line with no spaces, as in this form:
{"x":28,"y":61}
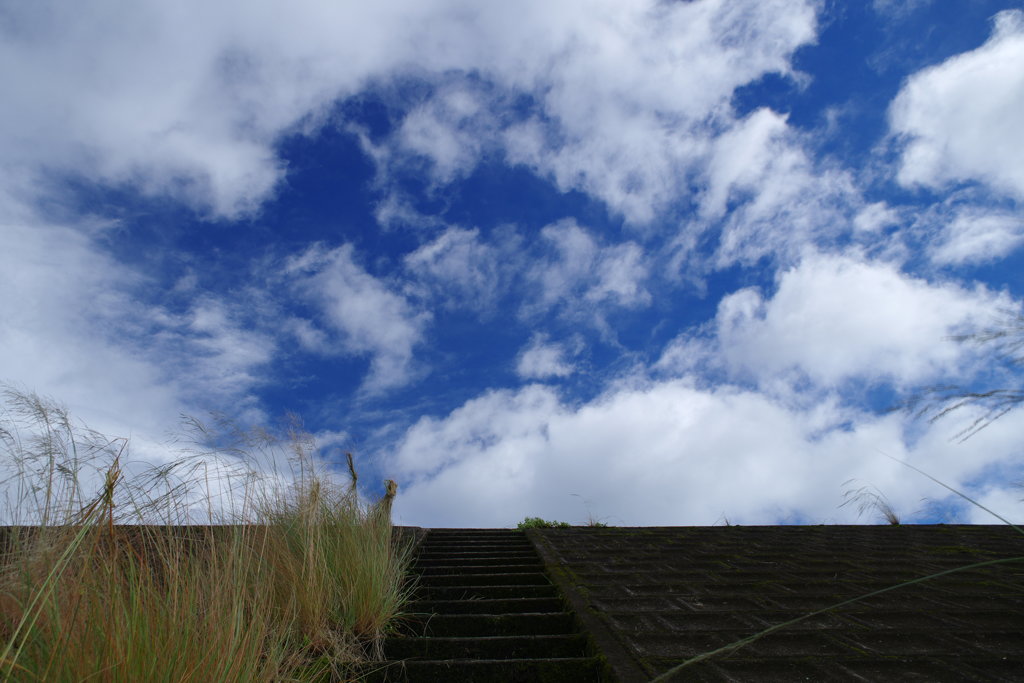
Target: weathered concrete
{"x":486,"y":611}
{"x":653,"y":598}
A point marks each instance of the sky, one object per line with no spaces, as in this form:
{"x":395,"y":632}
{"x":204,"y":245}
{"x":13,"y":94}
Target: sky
{"x":639,"y":262}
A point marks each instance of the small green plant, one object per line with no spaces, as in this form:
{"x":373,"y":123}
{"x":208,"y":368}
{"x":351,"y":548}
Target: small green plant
{"x":538,"y":523}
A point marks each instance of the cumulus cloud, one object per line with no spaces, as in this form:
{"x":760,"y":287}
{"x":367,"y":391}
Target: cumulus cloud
{"x":188,"y":100}
{"x":542,"y":359}
{"x":224,"y":347}
{"x":370,"y":318}
{"x":652,"y":82}
{"x":663,"y":453}
{"x":1003,"y":500}
{"x":960,"y":119}
{"x":835,"y":318}
{"x":567,"y":270}
{"x":395,"y":210}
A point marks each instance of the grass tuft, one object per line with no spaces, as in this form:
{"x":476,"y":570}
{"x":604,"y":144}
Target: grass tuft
{"x":301,"y":581}
{"x":868,"y":498}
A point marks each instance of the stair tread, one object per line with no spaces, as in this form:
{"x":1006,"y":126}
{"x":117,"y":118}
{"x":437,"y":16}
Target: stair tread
{"x":489,"y":599}
{"x":495,"y":661}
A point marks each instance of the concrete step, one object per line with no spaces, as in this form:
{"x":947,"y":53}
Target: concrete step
{"x":494,"y":592}
{"x":563,"y":670}
{"x":485,"y":606}
{"x":487,"y":647}
{"x":486,"y":625}
{"x":475,"y":536}
{"x":502,"y":532}
{"x":477,"y":559}
{"x":485,"y":610}
{"x":476,"y":547}
{"x":494,"y":537}
{"x":429,"y":572}
{"x":486,"y":579}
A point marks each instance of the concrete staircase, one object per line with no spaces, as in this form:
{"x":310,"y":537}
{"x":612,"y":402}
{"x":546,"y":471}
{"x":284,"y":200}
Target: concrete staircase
{"x":486,"y":611}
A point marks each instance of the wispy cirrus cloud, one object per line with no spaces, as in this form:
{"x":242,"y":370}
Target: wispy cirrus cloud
{"x":463,"y":271}
{"x":80,"y":325}
{"x":578,"y":272}
{"x":975,"y":234}
{"x":368,"y":317}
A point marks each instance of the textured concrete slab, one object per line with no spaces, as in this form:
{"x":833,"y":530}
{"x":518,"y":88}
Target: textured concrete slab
{"x":653,"y":598}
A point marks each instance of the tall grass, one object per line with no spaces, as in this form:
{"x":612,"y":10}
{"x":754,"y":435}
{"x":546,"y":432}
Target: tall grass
{"x":301,"y":583}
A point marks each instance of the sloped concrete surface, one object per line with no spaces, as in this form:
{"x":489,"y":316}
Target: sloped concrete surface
{"x":653,"y":598}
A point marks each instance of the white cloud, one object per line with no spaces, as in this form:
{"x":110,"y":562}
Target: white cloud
{"x":632,"y":102}
{"x":396,"y":210}
{"x":665,"y":453}
{"x":76,"y":324}
{"x":977,"y":235}
{"x":1005,"y":501}
{"x":875,"y":217}
{"x":223,"y":349}
{"x":961,"y":118}
{"x":464,"y":271}
{"x":771,"y":197}
{"x":570,"y":270}
{"x":581,"y":269}
{"x":837,"y":318}
{"x":541,"y":360}
{"x":372,"y":319}
{"x":450,"y":129}
{"x":189,"y":99}
{"x":58,"y":327}
{"x":747,"y":156}
{"x":626,"y":95}
{"x":498,"y":418}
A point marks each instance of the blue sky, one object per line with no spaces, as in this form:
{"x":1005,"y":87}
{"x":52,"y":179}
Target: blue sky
{"x":649,"y":262}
